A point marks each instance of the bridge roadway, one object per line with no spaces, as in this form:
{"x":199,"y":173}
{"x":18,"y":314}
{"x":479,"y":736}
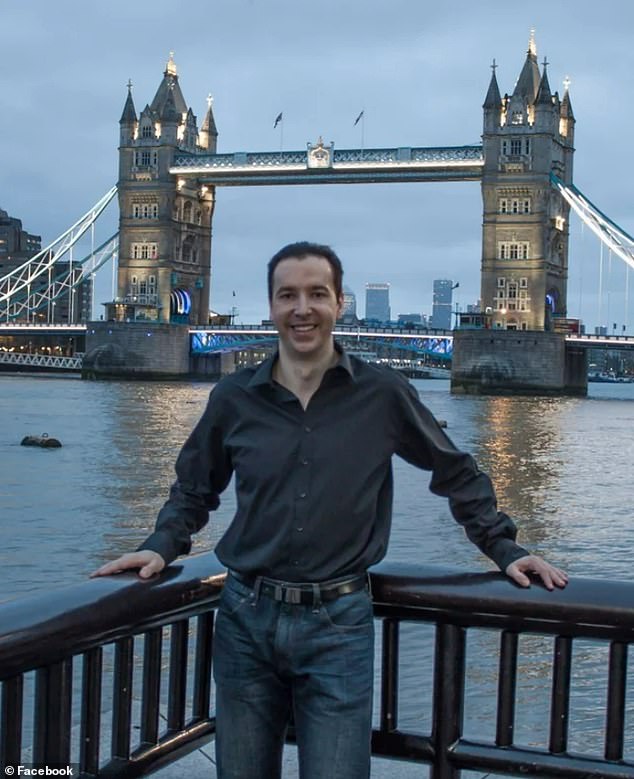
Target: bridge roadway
{"x":348,"y":331}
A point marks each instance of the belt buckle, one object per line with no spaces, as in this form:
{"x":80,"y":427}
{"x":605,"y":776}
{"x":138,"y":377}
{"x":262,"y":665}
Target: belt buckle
{"x":292,"y":595}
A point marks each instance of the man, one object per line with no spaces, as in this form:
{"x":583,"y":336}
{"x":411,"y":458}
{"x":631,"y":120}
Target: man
{"x":309,"y":434}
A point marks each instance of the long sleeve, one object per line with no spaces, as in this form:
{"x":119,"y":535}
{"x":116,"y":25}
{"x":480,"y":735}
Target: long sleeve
{"x":203,"y":470}
{"x":456,"y":476}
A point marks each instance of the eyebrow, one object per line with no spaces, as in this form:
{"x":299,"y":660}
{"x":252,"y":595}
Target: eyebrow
{"x":314,"y":288}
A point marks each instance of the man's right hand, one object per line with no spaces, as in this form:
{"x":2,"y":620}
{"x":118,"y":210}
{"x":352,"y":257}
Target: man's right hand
{"x":149,"y":562}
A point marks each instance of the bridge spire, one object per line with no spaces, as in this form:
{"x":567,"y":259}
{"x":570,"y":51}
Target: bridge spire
{"x":493,"y":99}
{"x":566,"y":105}
{"x":544,"y":95}
{"x":170,"y":67}
{"x":129,"y":112}
{"x":208,"y":135}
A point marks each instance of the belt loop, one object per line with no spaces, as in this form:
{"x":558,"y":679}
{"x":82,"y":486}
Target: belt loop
{"x":316,"y":598}
{"x":369,"y":583}
{"x":257,"y":584}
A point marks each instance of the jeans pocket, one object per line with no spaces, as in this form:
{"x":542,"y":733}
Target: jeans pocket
{"x":349,"y":612}
{"x":234,"y":596}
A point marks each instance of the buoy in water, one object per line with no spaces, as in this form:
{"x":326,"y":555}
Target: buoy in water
{"x":41,"y":440}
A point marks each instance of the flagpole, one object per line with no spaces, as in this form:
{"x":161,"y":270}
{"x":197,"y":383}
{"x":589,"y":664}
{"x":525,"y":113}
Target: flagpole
{"x":281,"y":134}
{"x":361,"y":118}
{"x":362,"y":132}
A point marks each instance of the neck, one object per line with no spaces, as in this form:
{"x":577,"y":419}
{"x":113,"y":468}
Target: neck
{"x":303,"y":377}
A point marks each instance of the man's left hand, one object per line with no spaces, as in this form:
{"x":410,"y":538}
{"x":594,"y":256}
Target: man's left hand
{"x":551,"y":577}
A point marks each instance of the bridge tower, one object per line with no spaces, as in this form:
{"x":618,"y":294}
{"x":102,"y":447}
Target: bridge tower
{"x":527,"y":135}
{"x":164,"y":222}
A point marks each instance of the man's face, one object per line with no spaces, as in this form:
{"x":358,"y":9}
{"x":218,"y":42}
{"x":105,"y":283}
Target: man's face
{"x":304,"y":305}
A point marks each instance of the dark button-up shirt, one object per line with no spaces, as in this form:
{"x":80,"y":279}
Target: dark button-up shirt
{"x":314,"y":486}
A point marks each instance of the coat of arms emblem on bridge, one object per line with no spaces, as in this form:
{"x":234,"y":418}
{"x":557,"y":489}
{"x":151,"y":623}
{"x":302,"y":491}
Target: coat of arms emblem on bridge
{"x":319,"y":155}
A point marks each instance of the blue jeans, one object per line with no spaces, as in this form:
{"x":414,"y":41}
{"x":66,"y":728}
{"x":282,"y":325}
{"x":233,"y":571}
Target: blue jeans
{"x":275,"y":659}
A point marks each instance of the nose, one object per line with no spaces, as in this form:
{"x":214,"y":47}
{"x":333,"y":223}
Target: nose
{"x":302,"y":305}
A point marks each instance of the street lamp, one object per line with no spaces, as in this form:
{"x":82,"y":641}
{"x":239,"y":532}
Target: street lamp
{"x":456,"y":311}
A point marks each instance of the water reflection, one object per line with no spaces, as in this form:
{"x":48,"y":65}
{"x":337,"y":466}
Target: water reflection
{"x":519,"y":443}
{"x":147,"y":425}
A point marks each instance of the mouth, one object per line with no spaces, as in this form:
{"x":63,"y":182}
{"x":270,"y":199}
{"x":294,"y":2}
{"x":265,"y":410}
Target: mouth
{"x":303,"y":328}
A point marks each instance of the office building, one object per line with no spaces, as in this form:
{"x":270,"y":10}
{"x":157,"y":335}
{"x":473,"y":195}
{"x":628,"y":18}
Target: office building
{"x":377,"y":303}
{"x":409,"y":319}
{"x":349,"y":313}
{"x":441,"y":309}
{"x":16,"y":244}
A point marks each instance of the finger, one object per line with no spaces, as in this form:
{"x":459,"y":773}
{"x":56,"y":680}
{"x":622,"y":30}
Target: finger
{"x":154,"y":566}
{"x":118,"y":565}
{"x":517,"y":576}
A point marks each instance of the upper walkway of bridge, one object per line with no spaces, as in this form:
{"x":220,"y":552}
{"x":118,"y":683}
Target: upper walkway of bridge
{"x":323,"y":164}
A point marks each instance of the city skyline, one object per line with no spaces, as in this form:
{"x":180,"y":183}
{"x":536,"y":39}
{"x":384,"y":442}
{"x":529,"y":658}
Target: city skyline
{"x":320,"y":80}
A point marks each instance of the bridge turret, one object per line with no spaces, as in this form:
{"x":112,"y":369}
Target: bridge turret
{"x":520,"y":105}
{"x":208,"y":136}
{"x":492,"y":104}
{"x":170,"y":121}
{"x":525,"y":221}
{"x":546,"y":107}
{"x":128,"y":121}
{"x":567,"y":131}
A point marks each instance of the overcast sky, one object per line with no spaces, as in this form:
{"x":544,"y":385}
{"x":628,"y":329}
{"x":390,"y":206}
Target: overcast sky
{"x":419,"y":69}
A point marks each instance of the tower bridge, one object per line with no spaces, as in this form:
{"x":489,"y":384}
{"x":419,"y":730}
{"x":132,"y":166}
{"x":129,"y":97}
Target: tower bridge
{"x":170,"y":171}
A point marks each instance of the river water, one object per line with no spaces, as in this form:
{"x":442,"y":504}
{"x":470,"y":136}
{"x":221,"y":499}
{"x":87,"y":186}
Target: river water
{"x":561,"y":466}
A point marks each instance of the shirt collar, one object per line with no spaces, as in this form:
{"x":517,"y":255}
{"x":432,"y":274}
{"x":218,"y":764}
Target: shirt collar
{"x":264,"y":372}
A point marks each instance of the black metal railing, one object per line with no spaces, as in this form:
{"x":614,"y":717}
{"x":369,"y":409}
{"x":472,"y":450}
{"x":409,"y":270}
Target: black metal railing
{"x":141,"y":651}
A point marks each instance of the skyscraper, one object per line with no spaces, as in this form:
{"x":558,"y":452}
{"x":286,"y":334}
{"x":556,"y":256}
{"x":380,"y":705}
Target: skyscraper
{"x":377,"y":302}
{"x":349,"y":312}
{"x":441,"y":309}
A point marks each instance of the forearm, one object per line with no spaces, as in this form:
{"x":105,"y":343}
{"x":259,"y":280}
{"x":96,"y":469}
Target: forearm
{"x":473,"y":504}
{"x":183,"y":514}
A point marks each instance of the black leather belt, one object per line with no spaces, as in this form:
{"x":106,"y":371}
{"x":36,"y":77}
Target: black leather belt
{"x":305,"y":593}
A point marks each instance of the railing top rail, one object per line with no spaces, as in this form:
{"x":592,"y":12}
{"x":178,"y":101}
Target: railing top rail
{"x":585,"y":607}
{"x":43,"y":628}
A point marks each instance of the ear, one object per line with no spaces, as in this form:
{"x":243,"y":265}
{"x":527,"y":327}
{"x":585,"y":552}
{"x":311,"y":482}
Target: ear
{"x":340,"y":306}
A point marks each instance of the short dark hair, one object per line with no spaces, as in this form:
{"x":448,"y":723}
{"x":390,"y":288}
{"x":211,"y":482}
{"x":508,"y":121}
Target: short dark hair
{"x":302,"y":249}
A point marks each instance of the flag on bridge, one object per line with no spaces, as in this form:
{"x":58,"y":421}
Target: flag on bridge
{"x":278,"y":119}
{"x":358,"y":119}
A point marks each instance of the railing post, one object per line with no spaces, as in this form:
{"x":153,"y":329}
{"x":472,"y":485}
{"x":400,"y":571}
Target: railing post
{"x":448,"y":705}
{"x":507,"y":683}
{"x":617,"y":683}
{"x":91,"y":711}
{"x":389,"y":675}
{"x":11,"y":721}
{"x":51,"y":736}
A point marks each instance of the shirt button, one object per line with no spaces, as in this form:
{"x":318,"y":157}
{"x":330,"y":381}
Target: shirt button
{"x":304,"y":462}
{"x":295,"y":562}
{"x":302,"y":494}
{"x":299,"y":529}
{"x":308,"y":429}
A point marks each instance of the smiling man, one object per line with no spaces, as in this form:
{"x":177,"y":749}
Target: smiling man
{"x":310,"y":434}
